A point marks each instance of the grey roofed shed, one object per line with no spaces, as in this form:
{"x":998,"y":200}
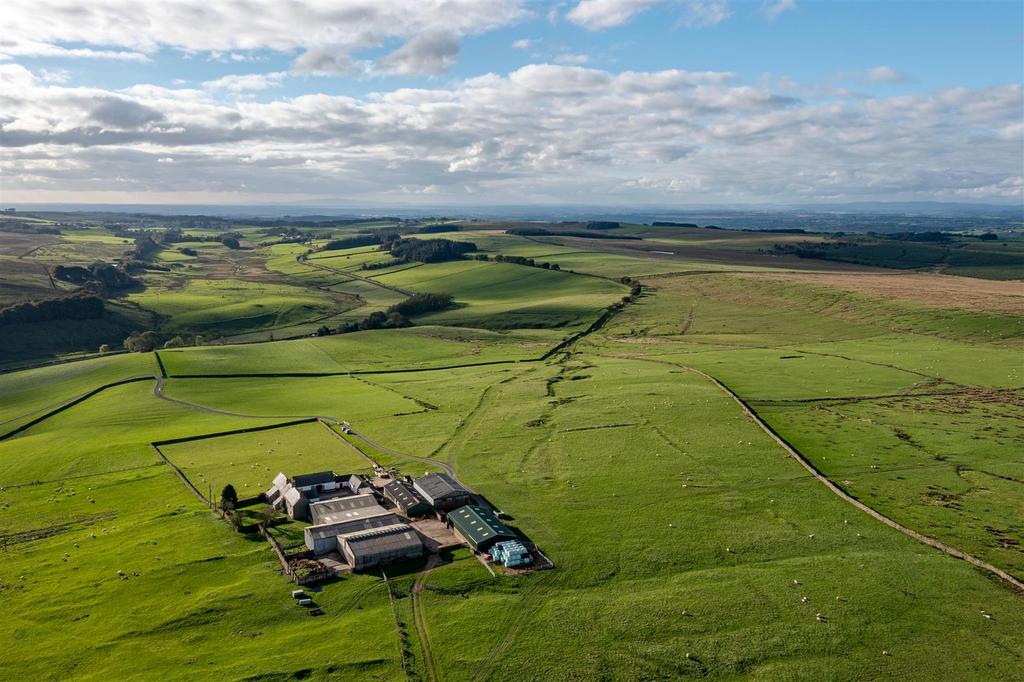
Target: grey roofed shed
{"x":442,"y":491}
{"x":405,"y":498}
{"x":369,"y":548}
{"x":343,"y":508}
{"x":322,"y":538}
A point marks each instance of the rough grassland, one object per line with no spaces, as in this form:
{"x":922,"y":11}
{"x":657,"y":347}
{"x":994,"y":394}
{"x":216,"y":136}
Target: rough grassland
{"x":412,"y":348}
{"x":920,"y":427}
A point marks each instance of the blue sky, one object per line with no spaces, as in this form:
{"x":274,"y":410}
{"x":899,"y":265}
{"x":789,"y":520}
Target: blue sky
{"x":393,"y":100}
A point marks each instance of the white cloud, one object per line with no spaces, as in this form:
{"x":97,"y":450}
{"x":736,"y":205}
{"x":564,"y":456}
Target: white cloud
{"x":598,"y":15}
{"x":427,"y":53}
{"x":326,"y":33}
{"x":772,"y":10}
{"x":60,"y":76}
{"x":545,"y":131}
{"x":243,"y":82}
{"x":30,"y":48}
{"x":568,"y":58}
{"x":885,"y":74}
{"x":522,"y":44}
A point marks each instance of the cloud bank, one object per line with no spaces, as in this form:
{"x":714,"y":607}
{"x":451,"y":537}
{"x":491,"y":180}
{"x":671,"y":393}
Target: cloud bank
{"x":543,"y":133}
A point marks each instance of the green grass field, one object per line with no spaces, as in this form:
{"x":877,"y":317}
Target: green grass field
{"x":686,"y":542}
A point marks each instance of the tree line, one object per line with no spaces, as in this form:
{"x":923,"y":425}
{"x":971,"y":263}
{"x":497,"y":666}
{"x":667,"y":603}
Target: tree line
{"x":77,"y":306}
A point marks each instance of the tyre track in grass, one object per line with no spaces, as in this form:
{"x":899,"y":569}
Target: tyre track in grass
{"x":419,"y":618}
{"x":1006,"y":577}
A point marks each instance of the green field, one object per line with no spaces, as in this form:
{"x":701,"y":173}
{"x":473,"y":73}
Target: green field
{"x":686,"y":542}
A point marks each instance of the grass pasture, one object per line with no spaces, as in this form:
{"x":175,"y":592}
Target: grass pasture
{"x":686,"y":542}
{"x":503,"y":296}
{"x":249,"y":461}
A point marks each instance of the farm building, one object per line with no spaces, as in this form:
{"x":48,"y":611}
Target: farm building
{"x":479,"y":526}
{"x":323,"y":539}
{"x":344,"y":508}
{"x":357,"y":484}
{"x":293,"y":495}
{"x":442,"y":491}
{"x":406,"y":499}
{"x":368,"y":548}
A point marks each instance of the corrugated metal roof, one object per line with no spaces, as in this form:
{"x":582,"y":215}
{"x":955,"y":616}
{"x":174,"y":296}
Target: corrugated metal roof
{"x":478,"y":525}
{"x":402,"y":495}
{"x":392,"y":538}
{"x":344,"y":508}
{"x":376,"y":520}
{"x":439,"y":485}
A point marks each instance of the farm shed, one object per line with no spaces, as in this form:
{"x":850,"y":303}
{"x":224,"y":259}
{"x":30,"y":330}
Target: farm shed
{"x":342,"y":508}
{"x":442,"y":491}
{"x":323,"y":539}
{"x":406,"y":499}
{"x":357,"y":484}
{"x":479,"y":526}
{"x":368,"y":548}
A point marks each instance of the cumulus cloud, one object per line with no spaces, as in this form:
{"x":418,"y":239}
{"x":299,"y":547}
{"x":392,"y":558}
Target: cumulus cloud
{"x":326,"y":33}
{"x":885,"y":74}
{"x":547,"y":131}
{"x":244,"y":82}
{"x":427,"y":53}
{"x":597,"y":15}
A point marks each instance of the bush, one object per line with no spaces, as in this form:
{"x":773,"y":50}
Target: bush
{"x":422,"y":303}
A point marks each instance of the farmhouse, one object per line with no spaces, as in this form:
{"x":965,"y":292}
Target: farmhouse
{"x":406,"y":499}
{"x":479,"y":527}
{"x":294,"y":494}
{"x":442,"y":491}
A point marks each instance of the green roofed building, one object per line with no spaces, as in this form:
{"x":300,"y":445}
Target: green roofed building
{"x":479,"y":526}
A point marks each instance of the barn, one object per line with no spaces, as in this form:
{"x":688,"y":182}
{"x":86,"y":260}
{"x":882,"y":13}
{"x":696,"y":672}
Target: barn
{"x":479,"y":527}
{"x":332,"y":518}
{"x":406,"y":499}
{"x":442,"y":491}
{"x":369,"y":548}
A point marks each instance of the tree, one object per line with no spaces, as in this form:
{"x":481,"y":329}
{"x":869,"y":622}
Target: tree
{"x":176,"y":342}
{"x":267,"y":515}
{"x":228,"y":498}
{"x":104,"y":348}
{"x":230,"y":242}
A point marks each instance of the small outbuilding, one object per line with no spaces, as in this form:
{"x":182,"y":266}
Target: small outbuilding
{"x":479,"y":527}
{"x":406,"y":499}
{"x":442,"y":491}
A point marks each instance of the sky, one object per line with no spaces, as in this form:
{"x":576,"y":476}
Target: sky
{"x":510,"y":102}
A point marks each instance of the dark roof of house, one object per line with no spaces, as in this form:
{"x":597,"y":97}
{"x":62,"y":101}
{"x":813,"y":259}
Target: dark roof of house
{"x":319,"y":478}
{"x":402,"y":495}
{"x":478,"y":524}
{"x":439,"y":485}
